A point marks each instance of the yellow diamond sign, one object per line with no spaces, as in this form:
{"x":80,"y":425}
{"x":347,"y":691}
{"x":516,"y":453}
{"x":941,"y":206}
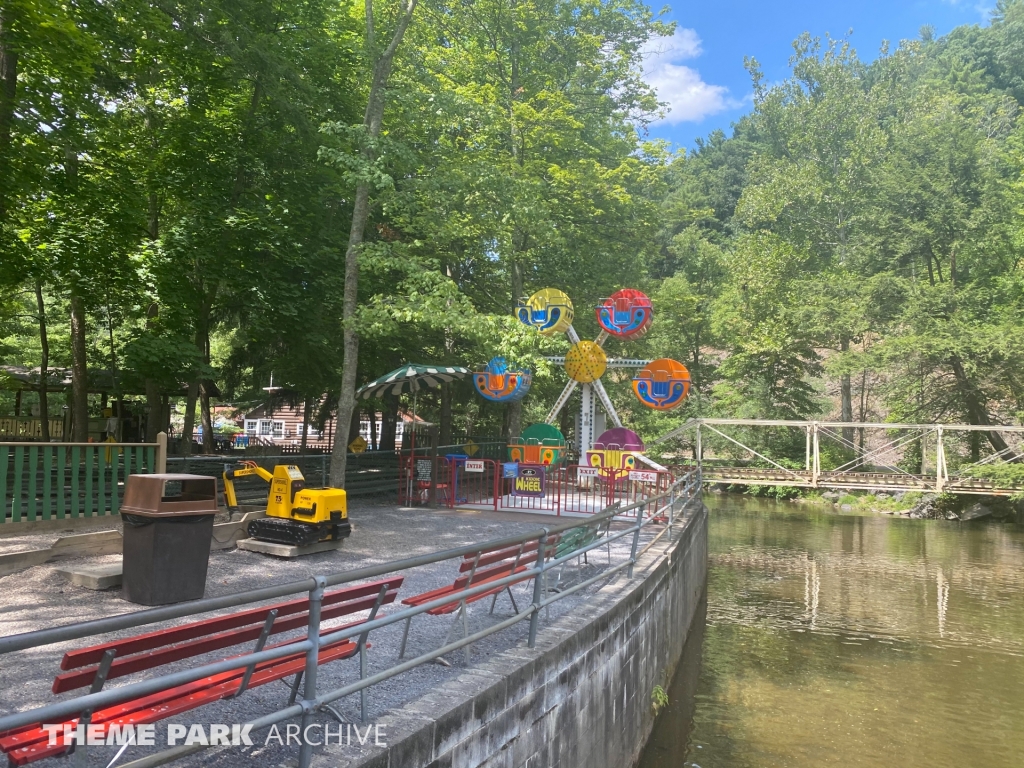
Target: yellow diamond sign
{"x":358,"y":445}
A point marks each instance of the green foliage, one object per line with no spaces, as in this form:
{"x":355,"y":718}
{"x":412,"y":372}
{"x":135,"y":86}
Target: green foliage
{"x":659,"y":699}
{"x":1004,"y":475}
{"x":186,"y":171}
{"x":165,"y":357}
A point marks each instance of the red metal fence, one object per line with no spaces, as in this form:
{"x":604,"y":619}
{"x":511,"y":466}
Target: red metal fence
{"x":571,"y":490}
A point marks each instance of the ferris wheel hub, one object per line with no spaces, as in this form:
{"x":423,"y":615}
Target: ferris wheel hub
{"x":586,"y":362}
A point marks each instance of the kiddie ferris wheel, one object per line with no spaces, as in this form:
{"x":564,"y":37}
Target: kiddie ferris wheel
{"x":660,"y":384}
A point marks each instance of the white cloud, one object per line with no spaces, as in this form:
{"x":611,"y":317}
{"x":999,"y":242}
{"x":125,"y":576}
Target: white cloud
{"x":688,"y":97}
{"x":684,"y":44}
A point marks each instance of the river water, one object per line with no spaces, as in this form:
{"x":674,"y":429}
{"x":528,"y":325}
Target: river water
{"x":848,"y":640}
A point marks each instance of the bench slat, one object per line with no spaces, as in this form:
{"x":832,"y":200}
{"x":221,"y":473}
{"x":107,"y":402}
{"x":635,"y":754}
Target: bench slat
{"x":452,"y":606}
{"x":497,"y":573}
{"x":172,"y":635}
{"x":174,"y":701}
{"x":506,"y":554}
{"x":494,"y":572}
{"x":458,"y":586}
{"x":12,"y":737}
{"x":490,"y":556}
{"x":150,"y":659}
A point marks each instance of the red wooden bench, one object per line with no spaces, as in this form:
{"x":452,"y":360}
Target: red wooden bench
{"x":483,"y":566}
{"x":91,"y":667}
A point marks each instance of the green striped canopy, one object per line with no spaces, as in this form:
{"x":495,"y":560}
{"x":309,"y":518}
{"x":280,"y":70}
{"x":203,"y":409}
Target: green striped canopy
{"x":408,"y":378}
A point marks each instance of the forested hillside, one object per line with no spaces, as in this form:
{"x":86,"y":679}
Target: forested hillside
{"x":188,"y":188}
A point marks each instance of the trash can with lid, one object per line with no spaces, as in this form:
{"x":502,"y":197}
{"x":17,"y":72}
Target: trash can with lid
{"x":168,"y":529}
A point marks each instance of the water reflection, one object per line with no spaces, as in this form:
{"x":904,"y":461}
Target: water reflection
{"x":852,"y":641}
{"x":671,"y":736}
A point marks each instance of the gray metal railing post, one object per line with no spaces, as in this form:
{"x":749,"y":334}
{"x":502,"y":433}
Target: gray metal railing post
{"x":79,"y":747}
{"x":538,"y":586}
{"x":636,"y":542}
{"x":672,"y":507}
{"x":316,"y":596}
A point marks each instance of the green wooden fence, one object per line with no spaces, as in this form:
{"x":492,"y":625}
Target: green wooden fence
{"x":55,"y":481}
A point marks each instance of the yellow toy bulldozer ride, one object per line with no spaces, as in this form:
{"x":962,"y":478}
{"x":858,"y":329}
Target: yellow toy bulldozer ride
{"x":296,"y":514}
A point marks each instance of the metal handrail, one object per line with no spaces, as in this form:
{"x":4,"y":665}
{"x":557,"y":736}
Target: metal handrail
{"x":691,"y":423}
{"x":37,"y":444}
{"x":313,"y":641}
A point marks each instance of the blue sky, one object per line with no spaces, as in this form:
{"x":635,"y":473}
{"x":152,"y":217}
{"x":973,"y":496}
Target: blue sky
{"x":699,"y":71}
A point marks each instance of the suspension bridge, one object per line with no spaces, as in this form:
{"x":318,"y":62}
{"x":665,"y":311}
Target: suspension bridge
{"x":856,"y":455}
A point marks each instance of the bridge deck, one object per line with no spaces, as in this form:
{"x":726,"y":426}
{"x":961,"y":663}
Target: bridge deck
{"x":875,"y":481}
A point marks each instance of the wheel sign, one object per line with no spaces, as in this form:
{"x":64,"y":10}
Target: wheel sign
{"x":530,"y":481}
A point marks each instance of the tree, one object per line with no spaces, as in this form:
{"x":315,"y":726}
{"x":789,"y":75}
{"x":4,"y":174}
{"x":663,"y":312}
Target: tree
{"x":823,"y":138}
{"x":381,"y":61}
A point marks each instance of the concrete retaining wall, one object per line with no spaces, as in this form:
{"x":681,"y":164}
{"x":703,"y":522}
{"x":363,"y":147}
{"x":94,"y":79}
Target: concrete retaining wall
{"x":580,"y":699}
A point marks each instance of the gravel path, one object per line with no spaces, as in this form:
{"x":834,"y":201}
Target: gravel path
{"x":39,"y":598}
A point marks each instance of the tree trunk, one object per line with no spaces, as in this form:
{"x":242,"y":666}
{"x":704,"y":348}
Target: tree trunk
{"x":44,"y":366}
{"x":696,"y":373}
{"x":79,"y":371}
{"x":307,"y":408}
{"x":190,"y":418}
{"x":152,"y":410}
{"x":347,"y":396}
{"x":515,"y":418}
{"x":514,"y":411}
{"x":977,"y":409}
{"x":204,"y":413}
{"x":353,"y":426}
{"x":389,"y":423}
{"x":446,"y":413}
{"x":8,"y":96}
{"x":152,"y":390}
{"x":114,"y":379}
{"x":372,"y":121}
{"x":846,"y":400}
{"x":373,"y":429}
{"x":863,"y":408}
{"x":153,"y":217}
{"x":514,"y":414}
{"x":203,"y":339}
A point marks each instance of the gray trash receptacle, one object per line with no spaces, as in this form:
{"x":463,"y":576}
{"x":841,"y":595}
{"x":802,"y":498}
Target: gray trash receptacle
{"x":168,"y":529}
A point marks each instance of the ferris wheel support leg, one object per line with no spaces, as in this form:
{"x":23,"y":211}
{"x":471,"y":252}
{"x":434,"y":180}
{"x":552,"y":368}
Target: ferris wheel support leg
{"x":606,"y":403}
{"x":560,"y":402}
{"x":586,"y":437}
